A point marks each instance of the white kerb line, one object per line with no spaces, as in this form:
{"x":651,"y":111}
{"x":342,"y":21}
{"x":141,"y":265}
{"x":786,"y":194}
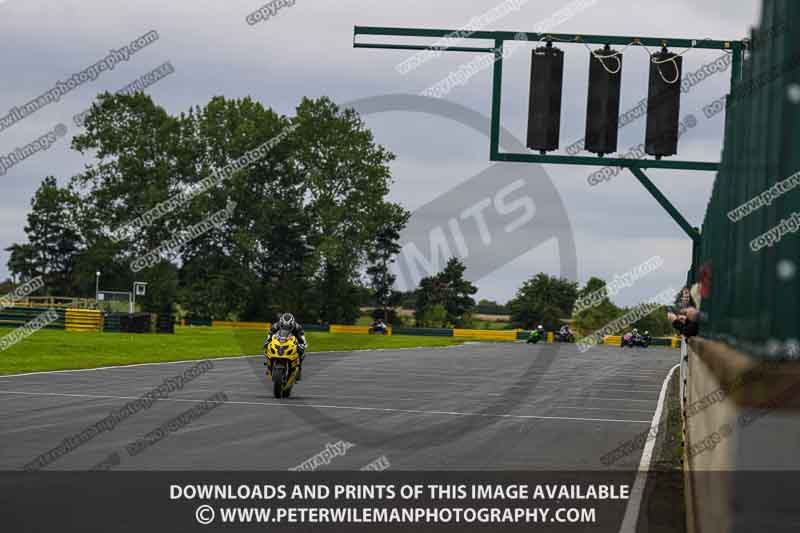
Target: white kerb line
{"x":635,"y":501}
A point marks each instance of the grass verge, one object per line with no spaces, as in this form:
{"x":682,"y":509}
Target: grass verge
{"x":664,"y":508}
{"x":62,"y":350}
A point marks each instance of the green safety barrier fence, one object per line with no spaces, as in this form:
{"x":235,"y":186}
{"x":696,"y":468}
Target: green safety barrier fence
{"x":751,"y":286}
{"x":14,"y":317}
{"x":204,"y":322}
{"x":112,"y":323}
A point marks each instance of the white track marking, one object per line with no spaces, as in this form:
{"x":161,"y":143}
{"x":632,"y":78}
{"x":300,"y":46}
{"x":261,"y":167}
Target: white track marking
{"x":599,"y":408}
{"x":637,"y":491}
{"x":604,"y":399}
{"x":223,"y":358}
{"x":368,"y":378}
{"x":341,"y":407}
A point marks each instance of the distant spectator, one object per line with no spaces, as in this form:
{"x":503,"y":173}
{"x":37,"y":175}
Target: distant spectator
{"x":687,"y":320}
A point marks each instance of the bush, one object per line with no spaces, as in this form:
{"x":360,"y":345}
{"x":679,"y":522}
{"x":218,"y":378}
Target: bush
{"x":433,"y":317}
{"x":392,"y":316}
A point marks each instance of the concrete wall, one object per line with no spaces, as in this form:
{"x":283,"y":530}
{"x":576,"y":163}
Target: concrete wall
{"x":742,"y":435}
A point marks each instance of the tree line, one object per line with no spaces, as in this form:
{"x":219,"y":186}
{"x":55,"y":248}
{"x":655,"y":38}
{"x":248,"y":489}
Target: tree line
{"x":311,"y":216}
{"x":312,"y":230}
{"x":445,"y":300}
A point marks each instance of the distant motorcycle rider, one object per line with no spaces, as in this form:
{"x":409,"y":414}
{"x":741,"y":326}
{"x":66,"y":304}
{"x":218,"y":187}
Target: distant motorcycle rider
{"x":286,"y":322}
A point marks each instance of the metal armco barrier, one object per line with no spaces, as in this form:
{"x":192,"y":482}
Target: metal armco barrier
{"x":487,"y":334}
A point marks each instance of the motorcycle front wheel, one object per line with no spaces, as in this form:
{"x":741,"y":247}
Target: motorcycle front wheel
{"x":288,"y":390}
{"x":277,"y":380}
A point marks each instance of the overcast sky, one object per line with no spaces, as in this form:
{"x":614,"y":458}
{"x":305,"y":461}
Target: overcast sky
{"x":306,"y":50}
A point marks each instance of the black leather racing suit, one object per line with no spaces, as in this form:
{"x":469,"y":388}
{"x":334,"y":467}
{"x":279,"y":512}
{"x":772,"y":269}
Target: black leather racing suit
{"x":299,"y":334}
{"x":297,"y":331}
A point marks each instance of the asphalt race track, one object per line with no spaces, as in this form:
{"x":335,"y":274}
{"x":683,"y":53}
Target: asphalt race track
{"x":472,"y":407}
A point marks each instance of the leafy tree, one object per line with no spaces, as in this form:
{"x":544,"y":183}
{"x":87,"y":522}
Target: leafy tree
{"x":458,"y":292}
{"x":338,"y":295}
{"x":393,"y":318}
{"x":490,"y":307}
{"x":22,"y":262}
{"x":434,"y":316}
{"x":595,"y":316}
{"x":600,"y":312}
{"x":209,"y":289}
{"x":7,"y":287}
{"x":381,"y":255}
{"x":262,"y":257}
{"x":543,"y":300}
{"x":306,"y":213}
{"x":595,"y":286}
{"x":53,"y":239}
{"x":347,"y":178}
{"x":140,"y":160}
{"x":449,"y":289}
{"x":100,"y":254}
{"x":143,"y":156}
{"x":408,"y":299}
{"x":655,"y":323}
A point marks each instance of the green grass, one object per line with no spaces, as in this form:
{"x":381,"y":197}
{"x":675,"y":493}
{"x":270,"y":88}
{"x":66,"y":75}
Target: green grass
{"x":62,"y":350}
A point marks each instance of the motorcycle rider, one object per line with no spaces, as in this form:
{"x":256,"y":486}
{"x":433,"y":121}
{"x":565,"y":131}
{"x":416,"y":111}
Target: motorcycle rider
{"x":564,"y":332}
{"x":536,"y":335}
{"x":627,"y":339}
{"x":286,"y":322}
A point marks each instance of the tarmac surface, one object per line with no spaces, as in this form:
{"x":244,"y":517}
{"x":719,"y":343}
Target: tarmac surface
{"x":504,"y":406}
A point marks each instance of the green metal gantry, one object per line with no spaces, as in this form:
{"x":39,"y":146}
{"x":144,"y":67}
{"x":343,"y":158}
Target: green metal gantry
{"x":636,"y":166}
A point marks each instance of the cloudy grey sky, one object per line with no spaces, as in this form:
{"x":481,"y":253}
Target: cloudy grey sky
{"x":306,"y":50}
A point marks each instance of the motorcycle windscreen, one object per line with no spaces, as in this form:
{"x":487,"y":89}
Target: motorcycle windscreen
{"x":284,"y":335}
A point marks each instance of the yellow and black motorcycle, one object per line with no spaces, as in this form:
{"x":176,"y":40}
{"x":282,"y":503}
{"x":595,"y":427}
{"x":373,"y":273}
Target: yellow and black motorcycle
{"x":283,"y":361}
